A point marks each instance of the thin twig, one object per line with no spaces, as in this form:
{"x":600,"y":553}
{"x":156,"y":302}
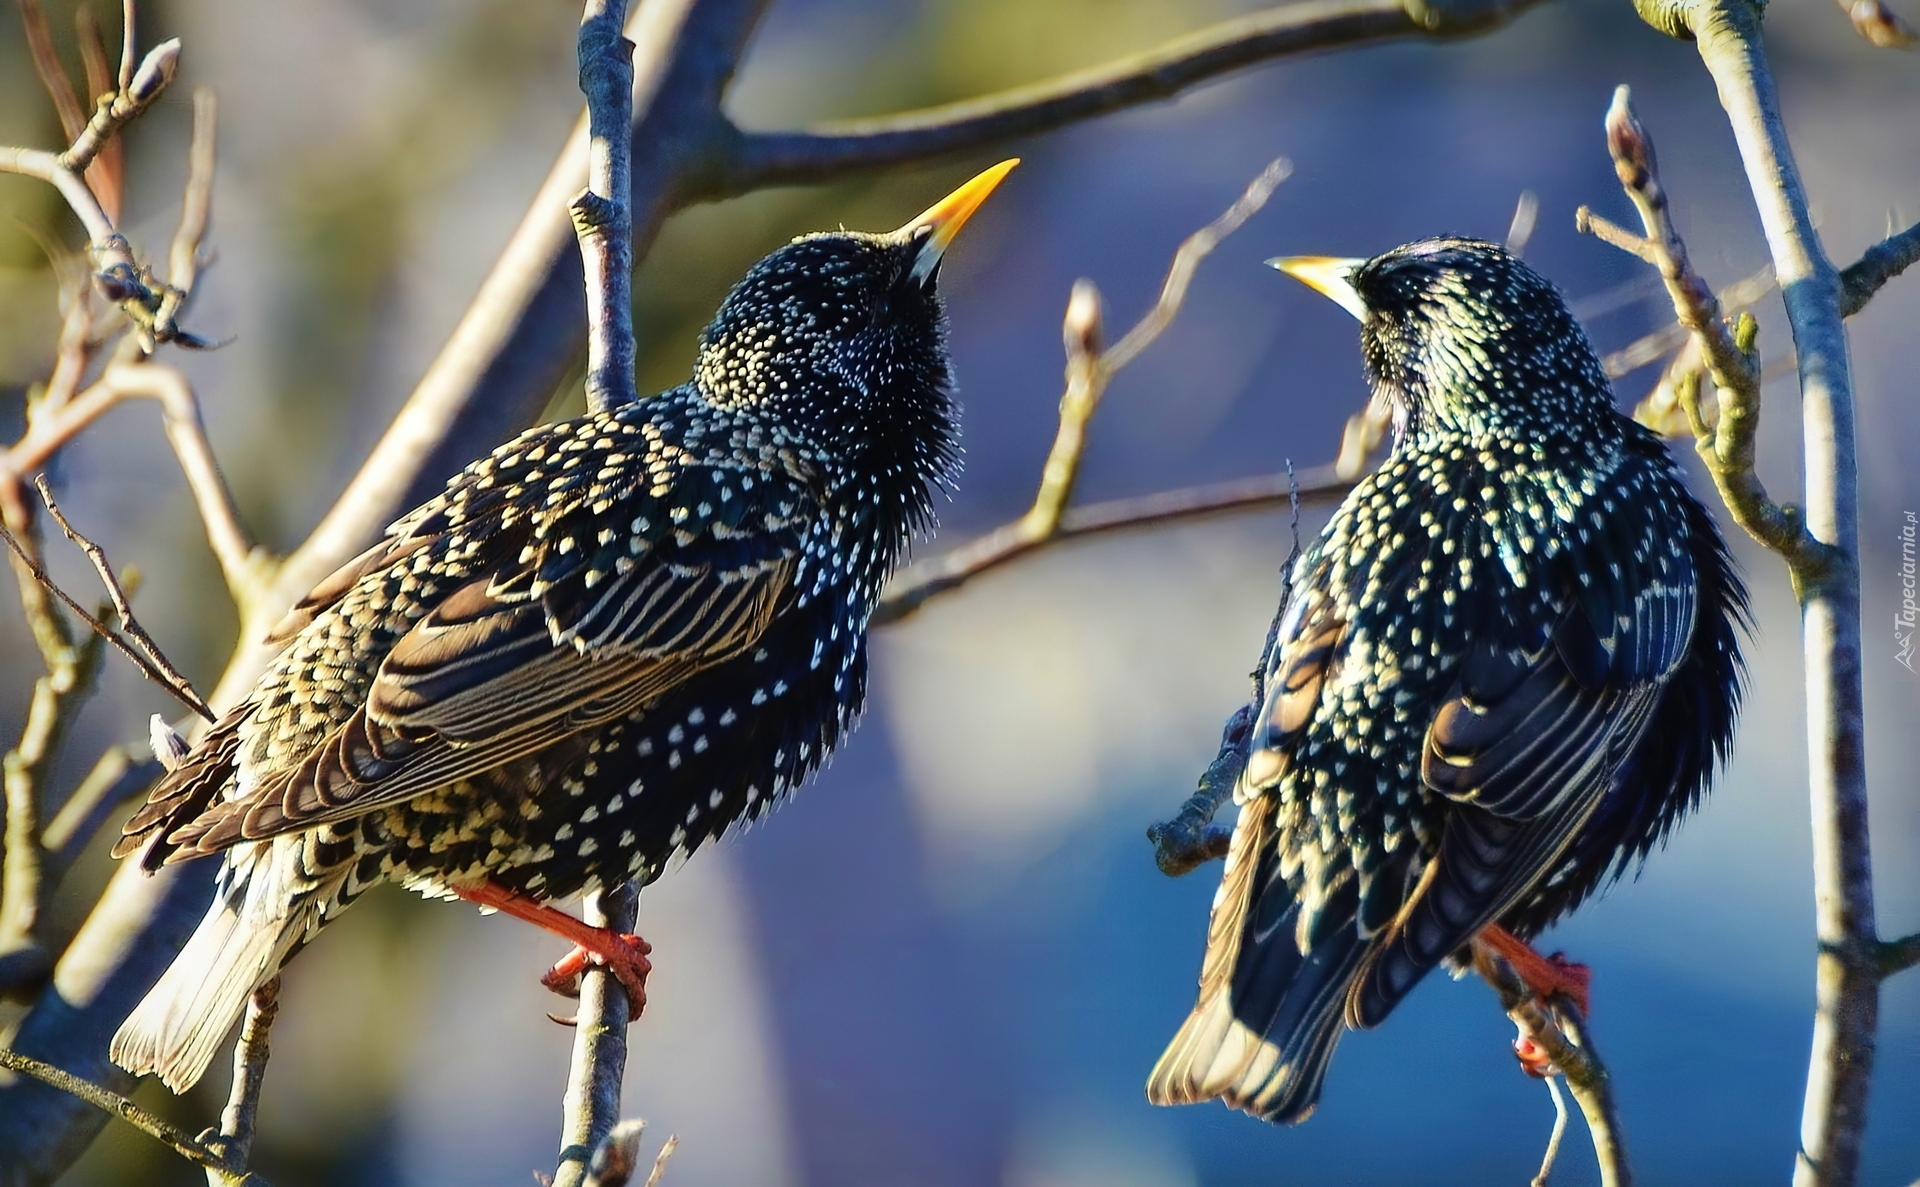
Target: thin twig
{"x":1560,"y":1035}
{"x":1726,"y":439}
{"x":196,"y":211}
{"x":115,"y":1105}
{"x":1606,"y":230}
{"x":168,"y":679}
{"x":241,"y":563}
{"x":923,"y":580}
{"x":1559,"y":1132}
{"x":178,"y":684}
{"x":232,"y":1143}
{"x":114,"y":779}
{"x":117,"y":110}
{"x":603,"y":212}
{"x":1899,"y":955}
{"x":1860,"y":280}
{"x":1089,"y":370}
{"x":660,"y":1160}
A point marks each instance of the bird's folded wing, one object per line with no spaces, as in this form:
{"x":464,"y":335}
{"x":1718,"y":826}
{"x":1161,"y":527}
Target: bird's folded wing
{"x":1527,"y":745}
{"x":485,"y":678}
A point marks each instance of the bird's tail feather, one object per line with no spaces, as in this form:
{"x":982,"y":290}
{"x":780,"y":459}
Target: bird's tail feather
{"x":258,"y":918}
{"x":1269,"y":1014}
{"x":1263,"y":1041}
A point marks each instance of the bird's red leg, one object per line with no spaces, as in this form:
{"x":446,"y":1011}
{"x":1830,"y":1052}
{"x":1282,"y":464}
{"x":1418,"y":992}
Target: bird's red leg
{"x":1546,"y":976}
{"x":623,"y":954}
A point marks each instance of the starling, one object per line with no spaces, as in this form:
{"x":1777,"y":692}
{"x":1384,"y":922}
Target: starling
{"x":1506,"y":668}
{"x":597,"y":649}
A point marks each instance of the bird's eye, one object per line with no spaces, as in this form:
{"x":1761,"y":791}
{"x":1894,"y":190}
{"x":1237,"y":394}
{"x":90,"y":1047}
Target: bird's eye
{"x":882,"y":310}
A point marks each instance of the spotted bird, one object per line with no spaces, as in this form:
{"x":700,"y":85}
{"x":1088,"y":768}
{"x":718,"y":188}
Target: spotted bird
{"x":1506,"y":669}
{"x":598,"y":648}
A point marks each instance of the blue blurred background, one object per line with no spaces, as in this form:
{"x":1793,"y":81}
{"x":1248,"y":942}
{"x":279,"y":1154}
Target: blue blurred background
{"x":952,"y":961}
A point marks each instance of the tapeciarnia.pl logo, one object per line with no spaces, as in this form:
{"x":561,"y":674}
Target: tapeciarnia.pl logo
{"x":1905,"y":619}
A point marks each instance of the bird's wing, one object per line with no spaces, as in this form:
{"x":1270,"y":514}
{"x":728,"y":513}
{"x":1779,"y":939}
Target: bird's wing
{"x":580,"y":627}
{"x":1527,"y":744}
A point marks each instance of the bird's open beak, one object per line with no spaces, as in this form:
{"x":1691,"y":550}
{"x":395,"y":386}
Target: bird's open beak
{"x":1329,"y":276}
{"x":948,"y":215}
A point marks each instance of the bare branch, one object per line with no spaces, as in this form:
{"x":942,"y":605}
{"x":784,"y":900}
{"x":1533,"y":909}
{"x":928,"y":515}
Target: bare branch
{"x":591,"y":1106}
{"x":1736,"y":297}
{"x":115,"y":1105}
{"x":1559,"y":1132}
{"x":114,"y":779}
{"x":1089,"y":370}
{"x":923,"y":580}
{"x":760,"y":159}
{"x":603,"y":212}
{"x":1880,"y":263}
{"x":166,"y":678}
{"x":660,"y":1160}
{"x":1560,"y":1035}
{"x":196,"y":211}
{"x":1847,"y":981}
{"x":117,"y":110}
{"x":617,"y":1156}
{"x":1873,"y":20}
{"x":1726,"y":439}
{"x":176,"y":683}
{"x":243,"y":566}
{"x":232,"y":1144}
{"x":1607,"y":231}
{"x":1897,"y":956}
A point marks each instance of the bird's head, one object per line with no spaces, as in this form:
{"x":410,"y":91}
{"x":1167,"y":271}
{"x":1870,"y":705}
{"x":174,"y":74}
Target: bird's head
{"x":845,"y":326}
{"x":1461,"y":334}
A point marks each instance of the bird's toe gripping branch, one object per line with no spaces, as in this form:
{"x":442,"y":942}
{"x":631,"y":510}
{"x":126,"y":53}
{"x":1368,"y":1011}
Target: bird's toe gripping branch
{"x":622,"y":953}
{"x":1546,"y":976}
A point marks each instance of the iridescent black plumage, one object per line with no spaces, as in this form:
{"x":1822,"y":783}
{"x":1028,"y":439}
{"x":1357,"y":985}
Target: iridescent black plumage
{"x":1510,"y":664}
{"x":598,"y":648}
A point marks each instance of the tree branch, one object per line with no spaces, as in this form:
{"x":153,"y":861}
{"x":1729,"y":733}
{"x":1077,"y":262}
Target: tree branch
{"x":603,"y":212}
{"x":115,"y":1105}
{"x":1847,"y":971}
{"x":232,"y":1143}
{"x":1860,"y":280}
{"x":1726,"y":440}
{"x":591,"y":1106}
{"x":756,"y":160}
{"x":1560,"y":1035}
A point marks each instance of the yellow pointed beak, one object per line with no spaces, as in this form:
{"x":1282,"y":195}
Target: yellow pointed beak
{"x":1330,"y":276}
{"x":949,"y":214}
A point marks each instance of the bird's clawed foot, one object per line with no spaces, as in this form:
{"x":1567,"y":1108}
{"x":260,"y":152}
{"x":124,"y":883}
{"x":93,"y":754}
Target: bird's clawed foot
{"x":1545,"y":975}
{"x":622,"y":953}
{"x":1555,"y":982}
